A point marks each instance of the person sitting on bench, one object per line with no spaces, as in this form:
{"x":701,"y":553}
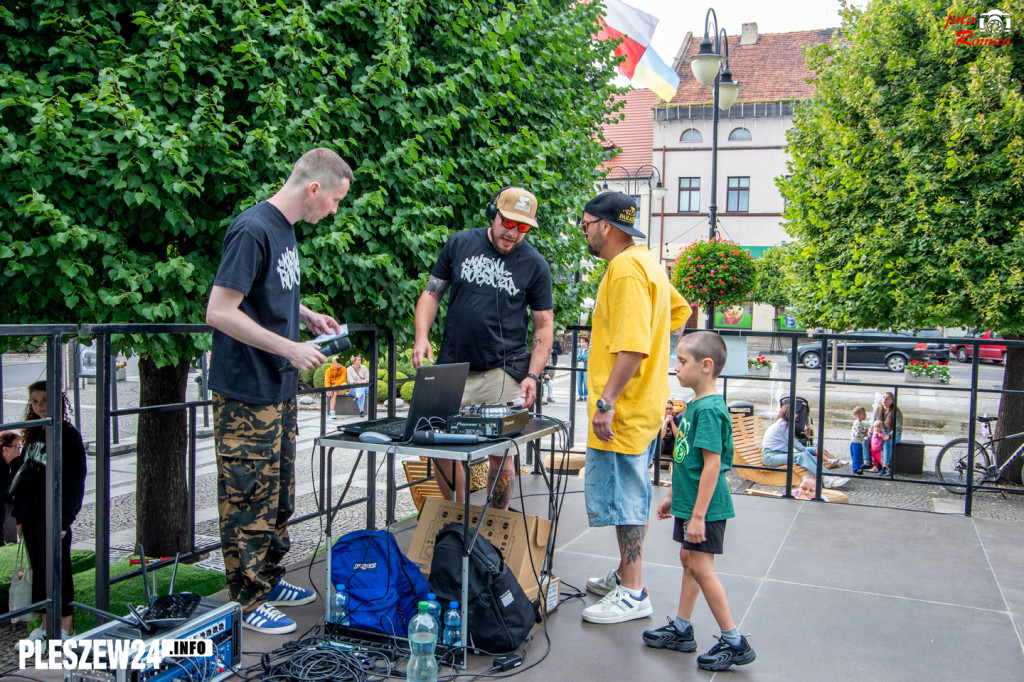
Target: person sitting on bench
{"x":775,"y":446}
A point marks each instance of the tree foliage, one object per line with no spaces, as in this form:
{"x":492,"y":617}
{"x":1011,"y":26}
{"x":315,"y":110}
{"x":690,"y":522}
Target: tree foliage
{"x":907,"y":187}
{"x":135,"y":131}
{"x":773,"y":285}
{"x":907,"y":169}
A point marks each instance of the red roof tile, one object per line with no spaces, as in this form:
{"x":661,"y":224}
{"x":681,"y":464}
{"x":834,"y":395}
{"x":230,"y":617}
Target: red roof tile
{"x":634,"y":133}
{"x":774,"y":68}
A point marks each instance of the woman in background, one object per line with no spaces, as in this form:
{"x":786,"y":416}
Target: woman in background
{"x":29,"y":504}
{"x":10,"y":447}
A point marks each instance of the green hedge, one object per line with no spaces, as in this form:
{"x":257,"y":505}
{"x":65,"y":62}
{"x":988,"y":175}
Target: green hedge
{"x":406,"y":391}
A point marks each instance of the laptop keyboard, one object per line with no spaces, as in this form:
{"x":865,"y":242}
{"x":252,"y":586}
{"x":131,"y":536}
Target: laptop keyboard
{"x":395,"y":429}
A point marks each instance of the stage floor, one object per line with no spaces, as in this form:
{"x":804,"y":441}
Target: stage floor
{"x":825,"y":591}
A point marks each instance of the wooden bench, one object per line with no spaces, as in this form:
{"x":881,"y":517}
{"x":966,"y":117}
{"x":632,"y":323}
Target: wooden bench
{"x":414,"y":471}
{"x":747,"y":433}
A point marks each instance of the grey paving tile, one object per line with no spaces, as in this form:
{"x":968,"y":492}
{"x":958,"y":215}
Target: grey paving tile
{"x":1003,"y":542}
{"x":813,"y":633}
{"x":885,"y":551}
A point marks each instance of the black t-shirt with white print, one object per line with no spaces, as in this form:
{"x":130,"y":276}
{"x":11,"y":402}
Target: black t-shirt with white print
{"x":487,"y":322}
{"x":260,"y":259}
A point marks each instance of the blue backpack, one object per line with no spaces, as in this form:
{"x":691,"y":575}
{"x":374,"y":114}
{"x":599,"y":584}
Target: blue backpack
{"x":383,"y":585}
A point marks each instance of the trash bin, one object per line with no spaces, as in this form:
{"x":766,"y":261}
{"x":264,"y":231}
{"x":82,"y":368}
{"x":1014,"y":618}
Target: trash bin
{"x":741,"y":407}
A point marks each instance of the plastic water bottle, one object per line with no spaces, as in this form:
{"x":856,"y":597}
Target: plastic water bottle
{"x":422,"y":639}
{"x":436,"y":611}
{"x":338,"y":611}
{"x":452,"y":635}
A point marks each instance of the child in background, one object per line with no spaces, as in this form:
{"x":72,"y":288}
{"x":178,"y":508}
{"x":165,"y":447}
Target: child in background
{"x":858,"y":434}
{"x":701,"y":502}
{"x":808,"y":488}
{"x":878,"y":438}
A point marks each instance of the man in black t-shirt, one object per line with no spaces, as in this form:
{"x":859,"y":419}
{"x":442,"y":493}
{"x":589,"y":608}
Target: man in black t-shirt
{"x":255,"y":311}
{"x":494,"y":276}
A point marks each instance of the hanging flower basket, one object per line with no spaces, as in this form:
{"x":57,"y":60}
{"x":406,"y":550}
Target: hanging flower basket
{"x":714,"y":272}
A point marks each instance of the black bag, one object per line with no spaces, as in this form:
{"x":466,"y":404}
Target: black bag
{"x":500,"y":614}
{"x":27,"y":474}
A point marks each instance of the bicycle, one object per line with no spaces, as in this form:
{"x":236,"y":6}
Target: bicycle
{"x":951,"y":465}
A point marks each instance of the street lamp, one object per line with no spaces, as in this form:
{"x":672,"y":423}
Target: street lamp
{"x":634,"y":181}
{"x":711,"y":64}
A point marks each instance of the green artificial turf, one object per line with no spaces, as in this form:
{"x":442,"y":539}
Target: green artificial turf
{"x":189,"y":579}
{"x":81,"y":560}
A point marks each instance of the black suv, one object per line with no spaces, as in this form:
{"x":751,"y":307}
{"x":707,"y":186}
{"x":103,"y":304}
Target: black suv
{"x":890,"y":353}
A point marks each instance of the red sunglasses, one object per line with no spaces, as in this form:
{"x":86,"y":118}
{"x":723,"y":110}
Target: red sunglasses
{"x":508,"y":223}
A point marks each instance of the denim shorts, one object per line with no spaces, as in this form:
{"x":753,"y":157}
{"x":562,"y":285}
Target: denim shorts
{"x":618,"y":487}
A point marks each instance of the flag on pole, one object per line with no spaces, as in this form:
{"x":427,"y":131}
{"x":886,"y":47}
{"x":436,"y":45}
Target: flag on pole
{"x":641,"y":63}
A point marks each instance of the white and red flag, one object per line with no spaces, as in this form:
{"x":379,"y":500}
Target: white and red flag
{"x":642,"y":63}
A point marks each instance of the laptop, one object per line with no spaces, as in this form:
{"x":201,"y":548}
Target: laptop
{"x":436,"y":395}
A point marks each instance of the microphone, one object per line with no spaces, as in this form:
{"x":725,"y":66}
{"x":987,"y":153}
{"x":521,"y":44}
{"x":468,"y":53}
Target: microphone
{"x":338,"y":345}
{"x":435,"y":438}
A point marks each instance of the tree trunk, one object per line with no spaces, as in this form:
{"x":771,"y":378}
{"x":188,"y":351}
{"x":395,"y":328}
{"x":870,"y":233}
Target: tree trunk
{"x":1011,"y":410}
{"x":161,"y":499}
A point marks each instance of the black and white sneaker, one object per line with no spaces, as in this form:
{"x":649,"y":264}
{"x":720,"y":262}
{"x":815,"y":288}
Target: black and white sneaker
{"x":669,"y":637}
{"x":723,"y":655}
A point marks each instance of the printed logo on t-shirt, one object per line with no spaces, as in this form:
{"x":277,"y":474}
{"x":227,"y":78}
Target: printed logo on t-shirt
{"x":682,"y":442}
{"x":482,"y":271}
{"x":288,"y":268}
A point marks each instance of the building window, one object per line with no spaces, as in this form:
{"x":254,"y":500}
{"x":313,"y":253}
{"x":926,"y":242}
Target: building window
{"x":689,"y":195}
{"x":739,"y":195}
{"x":691,"y":135}
{"x":740,"y":134}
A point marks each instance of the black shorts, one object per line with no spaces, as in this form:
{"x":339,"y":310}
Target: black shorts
{"x":714,"y":536}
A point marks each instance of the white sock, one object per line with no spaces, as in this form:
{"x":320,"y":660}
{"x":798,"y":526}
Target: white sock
{"x":636,"y":594}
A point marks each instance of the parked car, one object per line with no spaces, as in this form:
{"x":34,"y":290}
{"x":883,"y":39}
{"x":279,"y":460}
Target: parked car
{"x":890,"y":353}
{"x":996,"y":352}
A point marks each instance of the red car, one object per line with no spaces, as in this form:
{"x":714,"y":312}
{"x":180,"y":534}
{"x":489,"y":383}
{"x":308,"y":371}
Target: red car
{"x":987,"y":351}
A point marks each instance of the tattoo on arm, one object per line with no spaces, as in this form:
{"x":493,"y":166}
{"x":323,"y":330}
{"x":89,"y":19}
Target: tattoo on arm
{"x":502,"y":490}
{"x":536,"y":344}
{"x":436,"y":286}
{"x":631,"y":542}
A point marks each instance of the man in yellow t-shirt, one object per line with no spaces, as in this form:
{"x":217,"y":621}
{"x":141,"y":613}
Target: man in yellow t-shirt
{"x":335,"y":376}
{"x":627,"y":380}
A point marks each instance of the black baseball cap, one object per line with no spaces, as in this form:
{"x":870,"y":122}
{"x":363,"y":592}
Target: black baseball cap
{"x":617,"y":208}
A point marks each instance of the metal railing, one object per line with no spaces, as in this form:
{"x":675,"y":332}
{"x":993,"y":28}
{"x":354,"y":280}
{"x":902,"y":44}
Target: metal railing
{"x":105,"y":414}
{"x":54,"y":572}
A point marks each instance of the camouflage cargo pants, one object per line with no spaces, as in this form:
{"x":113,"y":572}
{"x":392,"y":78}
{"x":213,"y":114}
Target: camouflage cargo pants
{"x":255,"y":493}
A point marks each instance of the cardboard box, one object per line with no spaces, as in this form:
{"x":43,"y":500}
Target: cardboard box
{"x":518,"y":541}
{"x":553,"y":589}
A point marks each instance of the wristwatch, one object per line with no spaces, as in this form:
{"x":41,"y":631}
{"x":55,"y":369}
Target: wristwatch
{"x":603,"y":406}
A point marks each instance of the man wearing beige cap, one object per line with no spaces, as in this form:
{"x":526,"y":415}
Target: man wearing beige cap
{"x":494,"y":275}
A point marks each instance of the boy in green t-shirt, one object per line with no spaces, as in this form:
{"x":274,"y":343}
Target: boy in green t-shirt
{"x":701,"y":501}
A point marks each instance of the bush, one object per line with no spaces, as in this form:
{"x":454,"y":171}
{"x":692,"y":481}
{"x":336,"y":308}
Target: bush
{"x":320,"y":375}
{"x":406,"y":391}
{"x":306,"y":376}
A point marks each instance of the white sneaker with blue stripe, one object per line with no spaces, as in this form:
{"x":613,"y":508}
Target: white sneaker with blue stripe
{"x":618,"y":606}
{"x":286,"y":594}
{"x":268,"y":620}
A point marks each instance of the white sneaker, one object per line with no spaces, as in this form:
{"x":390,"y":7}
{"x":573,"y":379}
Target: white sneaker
{"x":38,"y":633}
{"x":618,"y":606}
{"x":331,"y":414}
{"x":604,"y":584}
{"x":834,"y":481}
